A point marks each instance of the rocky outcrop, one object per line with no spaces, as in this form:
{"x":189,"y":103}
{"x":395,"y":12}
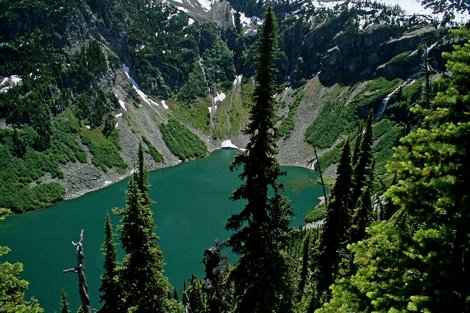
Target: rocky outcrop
{"x":370,"y":53}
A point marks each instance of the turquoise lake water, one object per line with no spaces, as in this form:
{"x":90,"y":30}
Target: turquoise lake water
{"x":191,"y":208}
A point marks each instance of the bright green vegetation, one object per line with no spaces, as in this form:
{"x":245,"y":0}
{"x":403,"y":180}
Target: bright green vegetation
{"x":400,"y":57}
{"x":24,"y":179}
{"x":332,"y":122}
{"x":196,"y":115}
{"x":316,"y":214}
{"x":386,"y":136}
{"x":423,"y":223}
{"x":288,"y":122}
{"x":182,"y":142}
{"x":232,"y":115}
{"x":23,"y":167}
{"x":105,"y":151}
{"x":373,"y":93}
{"x":154,"y":153}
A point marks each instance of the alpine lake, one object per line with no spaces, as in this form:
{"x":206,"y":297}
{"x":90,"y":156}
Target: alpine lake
{"x":191,"y":209}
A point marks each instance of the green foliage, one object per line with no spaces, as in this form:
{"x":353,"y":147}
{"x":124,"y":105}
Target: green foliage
{"x":142,"y":285}
{"x":415,"y":261}
{"x":154,"y":153}
{"x":182,"y":142}
{"x":261,"y":277}
{"x":196,"y":86}
{"x":400,"y":57}
{"x":197,"y":300}
{"x":109,"y":288}
{"x":386,"y":136}
{"x":373,"y":94}
{"x":195,"y":115}
{"x":219,"y":66}
{"x":288,"y":122}
{"x":64,"y":303}
{"x":316,"y":214}
{"x":330,"y":124}
{"x":334,"y":235}
{"x":105,"y":150}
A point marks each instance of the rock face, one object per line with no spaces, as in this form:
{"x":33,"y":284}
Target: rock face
{"x":365,"y":55}
{"x":181,"y":54}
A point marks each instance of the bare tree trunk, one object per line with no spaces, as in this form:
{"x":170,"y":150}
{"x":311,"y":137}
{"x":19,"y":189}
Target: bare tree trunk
{"x":80,"y":269}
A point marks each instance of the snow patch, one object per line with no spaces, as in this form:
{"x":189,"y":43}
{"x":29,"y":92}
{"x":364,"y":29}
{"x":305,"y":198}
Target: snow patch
{"x":212,"y":109}
{"x":9,"y":82}
{"x":122,"y":104}
{"x":219,"y":98}
{"x":118,"y":115}
{"x":205,"y":4}
{"x":141,"y":94}
{"x":107,"y":183}
{"x":238,"y":80}
{"x":227,"y":144}
{"x":164,"y":105}
{"x":88,"y":126}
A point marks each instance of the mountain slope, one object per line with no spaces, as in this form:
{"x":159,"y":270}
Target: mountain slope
{"x":82,"y":84}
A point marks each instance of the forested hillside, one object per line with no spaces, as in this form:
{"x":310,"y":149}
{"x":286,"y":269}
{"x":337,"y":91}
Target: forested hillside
{"x":106,"y":87}
{"x":82,"y":83}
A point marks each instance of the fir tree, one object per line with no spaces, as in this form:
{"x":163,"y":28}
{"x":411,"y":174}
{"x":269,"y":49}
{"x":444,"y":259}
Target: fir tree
{"x":142,"y":175}
{"x":362,"y":168}
{"x":261,"y":277}
{"x":418,"y":260}
{"x":334,"y":234}
{"x":144,"y":287}
{"x":109,"y":285}
{"x":215,"y":285}
{"x":362,"y":216}
{"x":196,"y":299}
{"x":64,"y":303}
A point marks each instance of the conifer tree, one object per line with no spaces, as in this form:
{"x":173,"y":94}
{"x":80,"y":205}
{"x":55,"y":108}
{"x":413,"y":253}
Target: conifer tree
{"x":196,"y":299}
{"x":142,"y":175}
{"x":362,"y":168}
{"x":362,"y":215}
{"x":144,"y":287}
{"x":261,"y":277}
{"x":64,"y":303}
{"x":109,"y":285}
{"x":334,"y":235}
{"x":418,"y":259}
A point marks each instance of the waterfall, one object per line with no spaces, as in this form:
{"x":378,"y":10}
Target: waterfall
{"x":386,"y":100}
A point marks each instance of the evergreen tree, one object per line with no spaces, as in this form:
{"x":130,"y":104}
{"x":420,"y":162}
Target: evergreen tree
{"x":261,"y":277}
{"x":215,"y":285}
{"x":362,"y":168}
{"x":334,"y":235}
{"x":418,"y":260}
{"x":197,"y":301}
{"x":362,"y":216}
{"x":109,"y":285}
{"x":64,"y":303}
{"x":142,"y":175}
{"x":143,"y":285}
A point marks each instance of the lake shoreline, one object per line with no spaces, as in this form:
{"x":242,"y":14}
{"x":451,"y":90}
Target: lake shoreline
{"x":91,"y":180}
